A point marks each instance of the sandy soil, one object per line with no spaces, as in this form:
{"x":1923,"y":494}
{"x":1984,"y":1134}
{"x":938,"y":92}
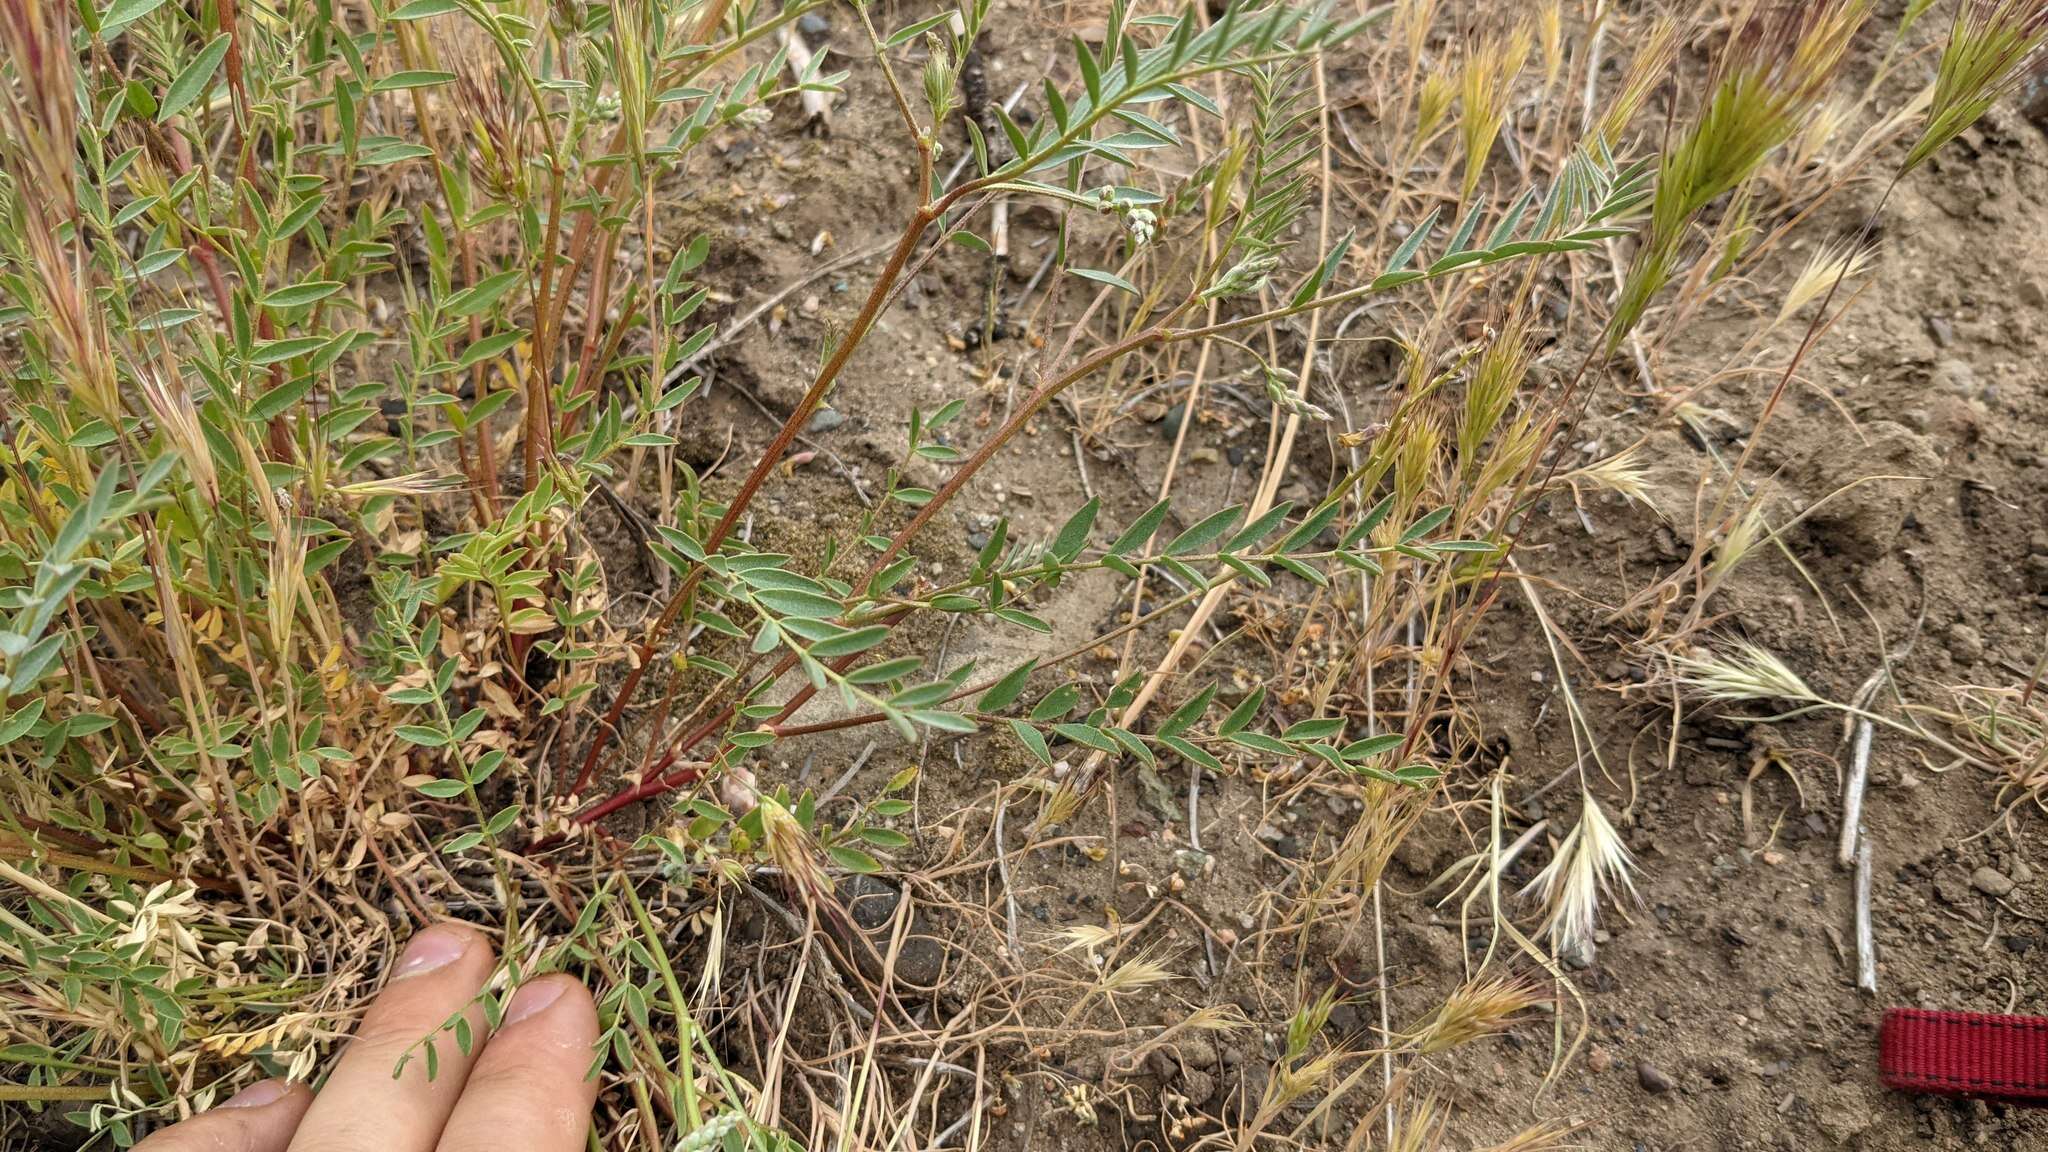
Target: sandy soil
{"x":1721,"y":1013}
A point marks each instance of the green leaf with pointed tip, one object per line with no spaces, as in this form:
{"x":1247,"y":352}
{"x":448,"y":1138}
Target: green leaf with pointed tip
{"x":791,"y":602}
{"x":1109,"y":278}
{"x":1192,"y":752}
{"x":1133,"y":745}
{"x":1029,"y":737}
{"x":852,"y":859}
{"x":1373,"y":746}
{"x":1258,"y":529}
{"x":1305,"y":533}
{"x":1091,"y":72}
{"x":1323,"y":272}
{"x":1242,"y":715}
{"x":1141,"y":530}
{"x":909,"y":32}
{"x":1023,"y":619}
{"x":418,"y":78}
{"x":194,"y":79}
{"x":1510,"y":220}
{"x":1406,"y":251}
{"x":1372,"y":520}
{"x":1204,"y":531}
{"x":481,"y":295}
{"x":1463,"y":236}
{"x":849,"y":643}
{"x":1185,"y":715}
{"x":421,"y":9}
{"x":1426,"y":525}
{"x":1073,"y":535}
{"x":886,"y":671}
{"x":300,"y":294}
{"x":1083,"y":734}
{"x":1321,"y":728}
{"x":125,"y":12}
{"x":1056,"y":703}
{"x":18,"y":724}
{"x":1260,"y":742}
{"x":1004,"y":692}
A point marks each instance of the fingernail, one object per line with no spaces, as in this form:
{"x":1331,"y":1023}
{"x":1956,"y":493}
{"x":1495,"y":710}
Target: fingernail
{"x":437,"y":947}
{"x":532,"y":999}
{"x":258,"y":1094}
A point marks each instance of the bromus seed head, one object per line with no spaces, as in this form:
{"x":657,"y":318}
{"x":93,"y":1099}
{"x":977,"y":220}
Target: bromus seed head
{"x":1830,"y":263}
{"x":1485,"y":86}
{"x":177,"y":417}
{"x":1433,"y":102}
{"x":1145,"y":970}
{"x":1477,"y":1009}
{"x":1412,"y":22}
{"x":1776,"y":69}
{"x":1542,"y":1136}
{"x":1591,"y":863}
{"x":1743,"y":671}
{"x":495,"y":119}
{"x":1809,"y":147}
{"x":1307,"y":1023}
{"x":1135,"y":975}
{"x":1650,"y":65}
{"x":1492,"y":389}
{"x":1622,"y":473}
{"x":1550,"y":40}
{"x":1991,"y":46}
{"x":38,"y":109}
{"x":1420,"y":1128}
{"x":1742,"y":539}
{"x":1089,"y":938}
{"x":287,"y":567}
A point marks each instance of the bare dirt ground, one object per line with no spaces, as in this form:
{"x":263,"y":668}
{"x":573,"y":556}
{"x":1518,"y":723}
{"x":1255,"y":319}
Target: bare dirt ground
{"x":1721,"y":1013}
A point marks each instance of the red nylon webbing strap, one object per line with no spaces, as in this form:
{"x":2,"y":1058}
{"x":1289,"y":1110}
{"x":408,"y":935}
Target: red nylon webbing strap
{"x":1965,"y":1054}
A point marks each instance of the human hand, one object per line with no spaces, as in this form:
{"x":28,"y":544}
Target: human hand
{"x":522,"y":1089}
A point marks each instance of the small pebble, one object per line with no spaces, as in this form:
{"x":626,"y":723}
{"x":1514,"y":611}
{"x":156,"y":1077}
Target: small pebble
{"x":1991,"y":882}
{"x":1652,"y":1077}
{"x":825,"y":420}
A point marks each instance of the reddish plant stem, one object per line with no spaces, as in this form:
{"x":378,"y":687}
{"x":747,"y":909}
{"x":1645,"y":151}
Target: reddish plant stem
{"x":658,"y":781}
{"x":652,"y":786}
{"x":588,"y":366}
{"x":540,"y":422}
{"x":770,"y":456}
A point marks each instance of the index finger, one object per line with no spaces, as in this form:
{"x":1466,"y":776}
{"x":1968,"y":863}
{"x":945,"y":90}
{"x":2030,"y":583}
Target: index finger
{"x":370,"y":1101}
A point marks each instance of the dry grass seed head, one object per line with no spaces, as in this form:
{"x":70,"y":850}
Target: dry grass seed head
{"x":1741,"y":672}
{"x":1622,"y":473}
{"x":1646,"y":69}
{"x":1591,"y":863}
{"x":1421,"y":1127}
{"x":1991,"y":47}
{"x":1743,"y":536}
{"x":1830,"y":264}
{"x":1485,"y":85}
{"x":1433,"y":103}
{"x":1776,"y":68}
{"x":1476,"y":1009}
{"x":1542,"y":1136}
{"x":1492,"y":387}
